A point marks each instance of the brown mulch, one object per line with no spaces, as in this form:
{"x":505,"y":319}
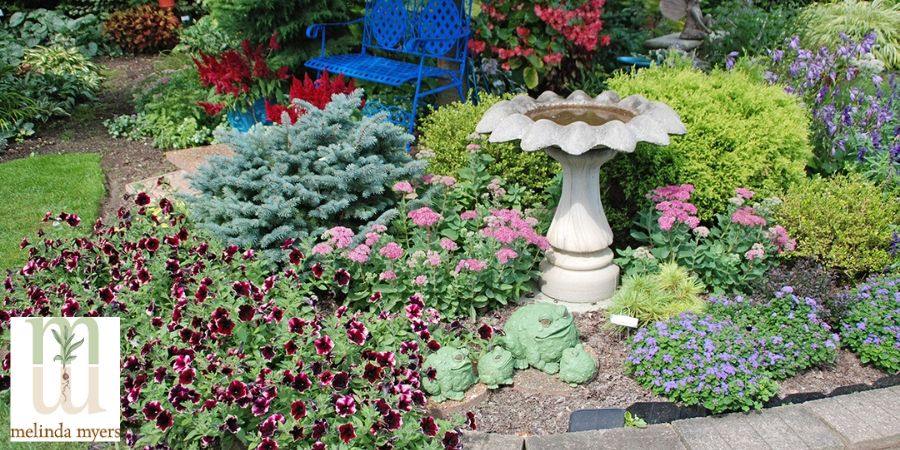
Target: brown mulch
{"x":122,"y":161}
{"x":540,"y":404}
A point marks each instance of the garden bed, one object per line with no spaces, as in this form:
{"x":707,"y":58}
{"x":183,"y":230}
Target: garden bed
{"x":540,"y":404}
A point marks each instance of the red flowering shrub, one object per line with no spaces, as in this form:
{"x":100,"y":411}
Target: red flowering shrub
{"x":543,"y":40}
{"x":240,"y":78}
{"x":317,"y":92}
{"x":143,"y":29}
{"x":218,"y":351}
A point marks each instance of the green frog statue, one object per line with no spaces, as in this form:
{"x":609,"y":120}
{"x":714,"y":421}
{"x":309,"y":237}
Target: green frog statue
{"x":453,"y":374}
{"x":537,"y":334}
{"x":496,"y":367}
{"x":576,"y":366}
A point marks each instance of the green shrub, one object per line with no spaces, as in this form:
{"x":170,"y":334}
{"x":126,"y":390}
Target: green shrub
{"x":167,"y":109}
{"x":658,"y":296}
{"x":740,"y":133}
{"x":843,"y":222}
{"x":446,"y":131}
{"x":205,"y":35}
{"x":294,"y":181}
{"x":823,"y":24}
{"x":871,"y":327}
{"x":746,"y":28}
{"x":42,"y":27}
{"x":256,"y":21}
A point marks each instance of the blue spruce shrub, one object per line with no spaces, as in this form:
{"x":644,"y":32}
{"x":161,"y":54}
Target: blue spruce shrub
{"x":333,"y":167}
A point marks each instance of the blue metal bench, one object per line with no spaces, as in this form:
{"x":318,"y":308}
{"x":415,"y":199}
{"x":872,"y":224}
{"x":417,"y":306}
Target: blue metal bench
{"x":408,"y":37}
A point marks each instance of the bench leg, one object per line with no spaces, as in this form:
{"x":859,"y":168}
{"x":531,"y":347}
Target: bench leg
{"x":411,"y":127}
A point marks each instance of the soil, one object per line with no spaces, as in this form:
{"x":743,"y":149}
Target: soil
{"x":122,"y":161}
{"x":539,"y":404}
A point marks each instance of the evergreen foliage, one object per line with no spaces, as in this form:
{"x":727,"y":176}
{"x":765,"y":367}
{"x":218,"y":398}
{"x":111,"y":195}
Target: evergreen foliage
{"x":333,"y":167}
{"x":256,"y":21}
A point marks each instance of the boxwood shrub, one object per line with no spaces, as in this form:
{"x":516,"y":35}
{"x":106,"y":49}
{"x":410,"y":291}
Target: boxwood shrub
{"x":740,"y":133}
{"x":446,"y":133}
{"x":844,"y":222}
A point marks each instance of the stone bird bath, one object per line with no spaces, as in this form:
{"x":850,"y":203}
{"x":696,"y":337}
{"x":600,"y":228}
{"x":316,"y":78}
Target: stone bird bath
{"x":582,"y":133}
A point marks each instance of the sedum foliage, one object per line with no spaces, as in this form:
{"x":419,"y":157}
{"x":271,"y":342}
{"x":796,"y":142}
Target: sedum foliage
{"x":446,"y":132}
{"x":844,"y":222}
{"x":740,"y":134}
{"x":333,"y":166}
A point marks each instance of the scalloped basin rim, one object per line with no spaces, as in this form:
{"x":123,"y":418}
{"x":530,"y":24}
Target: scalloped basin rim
{"x":568,"y":113}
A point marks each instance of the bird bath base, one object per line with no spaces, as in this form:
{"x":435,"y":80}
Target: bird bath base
{"x":581,"y":133}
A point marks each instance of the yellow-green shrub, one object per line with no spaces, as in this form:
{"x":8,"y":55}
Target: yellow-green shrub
{"x":741,"y":133}
{"x":844,"y":222}
{"x":446,"y":133}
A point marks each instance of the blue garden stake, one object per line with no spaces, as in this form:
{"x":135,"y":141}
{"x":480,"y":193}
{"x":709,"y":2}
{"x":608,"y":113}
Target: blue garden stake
{"x":393,"y":31}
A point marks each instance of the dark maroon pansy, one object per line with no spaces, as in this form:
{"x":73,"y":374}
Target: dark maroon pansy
{"x":287,"y":243}
{"x":319,"y":429}
{"x":152,"y":244}
{"x":325,"y":378}
{"x":301,"y":382}
{"x":486,"y":331}
{"x":319,"y":446}
{"x":151,"y":410}
{"x":290,"y":347}
{"x":346,"y":432}
{"x":375,"y":297}
{"x":428,"y":426}
{"x":470,"y":420}
{"x":296,"y":256}
{"x":165,"y":205}
{"x":267,"y":443}
{"x":434,"y":345}
{"x":298,"y":409}
{"x":231,"y":424}
{"x":246,"y":313}
{"x":160,"y":374}
{"x":431,"y":373}
{"x":201,"y":294}
{"x":268,"y":427}
{"x":107,"y":295}
{"x":372,"y":373}
{"x":323,"y":345}
{"x":342,"y":277}
{"x":296,"y":324}
{"x":241,"y":288}
{"x":317,"y":270}
{"x":297,"y":432}
{"x":341,"y":381}
{"x":187,"y":376}
{"x":237,"y":389}
{"x":451,"y":441}
{"x":267,"y":352}
{"x":393,"y":420}
{"x":142,"y":199}
{"x":164,"y":420}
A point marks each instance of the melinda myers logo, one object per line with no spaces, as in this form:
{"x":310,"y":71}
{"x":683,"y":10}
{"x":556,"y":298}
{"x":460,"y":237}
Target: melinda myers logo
{"x":64,"y":379}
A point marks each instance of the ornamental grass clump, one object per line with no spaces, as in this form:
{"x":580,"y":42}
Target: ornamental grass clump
{"x":464,"y":250}
{"x":219,"y":352}
{"x":658,"y":296}
{"x":871,"y":328}
{"x":730,"y":358}
{"x":297,"y":180}
{"x":729,"y":256}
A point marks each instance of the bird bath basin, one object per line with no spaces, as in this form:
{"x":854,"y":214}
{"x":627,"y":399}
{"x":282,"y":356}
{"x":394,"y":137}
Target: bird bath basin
{"x":582,"y":133}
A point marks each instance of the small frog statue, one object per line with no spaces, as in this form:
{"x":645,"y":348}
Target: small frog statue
{"x":453,"y":374}
{"x":496,"y":367}
{"x":537,"y":334}
{"x":576,"y":366}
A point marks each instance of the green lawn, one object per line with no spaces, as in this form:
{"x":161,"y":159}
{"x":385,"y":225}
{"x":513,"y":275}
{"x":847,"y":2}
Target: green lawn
{"x":30,"y":187}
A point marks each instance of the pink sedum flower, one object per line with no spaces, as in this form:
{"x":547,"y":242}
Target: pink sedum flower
{"x":322,"y":249}
{"x":392,"y":251}
{"x":341,"y":237}
{"x":448,"y":245}
{"x":424,"y":217}
{"x":747,"y":216}
{"x":360,"y":254}
{"x":744,"y":193}
{"x":387,"y":275}
{"x":421,"y":280}
{"x":468,"y":215}
{"x":403,"y":187}
{"x":505,"y":254}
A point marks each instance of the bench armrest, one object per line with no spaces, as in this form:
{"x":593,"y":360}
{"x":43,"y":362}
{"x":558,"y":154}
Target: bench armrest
{"x":416,"y":44}
{"x":313,"y":30}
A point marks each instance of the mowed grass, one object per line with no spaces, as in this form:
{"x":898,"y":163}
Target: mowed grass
{"x":30,"y":187}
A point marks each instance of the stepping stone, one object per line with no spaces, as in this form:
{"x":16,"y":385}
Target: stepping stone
{"x":167,"y":185}
{"x":447,"y":408}
{"x":473,"y":440}
{"x":190,"y":159}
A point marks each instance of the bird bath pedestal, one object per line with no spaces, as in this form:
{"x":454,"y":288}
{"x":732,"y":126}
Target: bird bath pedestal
{"x":582,"y":133}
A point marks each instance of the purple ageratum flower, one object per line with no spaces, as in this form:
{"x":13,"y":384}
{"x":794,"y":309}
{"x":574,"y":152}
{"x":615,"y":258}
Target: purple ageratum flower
{"x":730,"y":59}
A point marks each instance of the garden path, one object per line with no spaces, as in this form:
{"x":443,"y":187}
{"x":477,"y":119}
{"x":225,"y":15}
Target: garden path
{"x":864,"y":420}
{"x":122,"y":161}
